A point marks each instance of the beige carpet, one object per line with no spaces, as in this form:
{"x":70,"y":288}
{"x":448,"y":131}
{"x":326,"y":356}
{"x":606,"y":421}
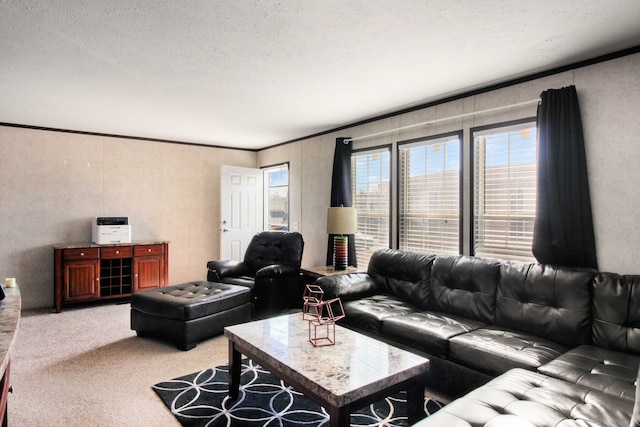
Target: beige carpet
{"x":86,"y":367}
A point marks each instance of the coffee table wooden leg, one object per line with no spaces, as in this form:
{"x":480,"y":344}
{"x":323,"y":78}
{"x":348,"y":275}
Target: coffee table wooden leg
{"x":415,"y":400}
{"x":340,"y":417}
{"x":235,"y":366}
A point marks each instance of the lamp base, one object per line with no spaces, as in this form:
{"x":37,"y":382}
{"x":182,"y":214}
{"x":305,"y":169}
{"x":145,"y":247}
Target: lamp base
{"x":340,"y":252}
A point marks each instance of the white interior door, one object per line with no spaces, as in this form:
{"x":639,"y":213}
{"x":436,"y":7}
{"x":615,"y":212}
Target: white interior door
{"x":241,"y":208}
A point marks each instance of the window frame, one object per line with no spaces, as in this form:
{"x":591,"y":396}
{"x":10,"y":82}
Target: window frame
{"x":459,"y":134}
{"x":387,"y":148}
{"x":472,"y":178}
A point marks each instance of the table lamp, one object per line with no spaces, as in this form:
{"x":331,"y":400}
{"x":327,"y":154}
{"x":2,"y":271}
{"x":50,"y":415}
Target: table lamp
{"x":341,"y":221}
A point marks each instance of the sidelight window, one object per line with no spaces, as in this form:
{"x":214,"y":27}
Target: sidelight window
{"x":276,"y":200}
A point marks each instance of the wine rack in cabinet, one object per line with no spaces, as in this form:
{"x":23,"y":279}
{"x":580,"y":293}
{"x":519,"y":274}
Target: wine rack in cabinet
{"x":91,"y":272}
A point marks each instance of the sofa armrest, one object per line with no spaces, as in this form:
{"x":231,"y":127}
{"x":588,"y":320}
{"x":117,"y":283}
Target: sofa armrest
{"x":347,"y":286}
{"x":635,"y":417}
{"x":220,"y":269}
{"x":275,"y":270}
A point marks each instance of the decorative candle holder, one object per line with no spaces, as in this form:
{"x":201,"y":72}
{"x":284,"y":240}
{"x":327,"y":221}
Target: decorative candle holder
{"x":340,"y":252}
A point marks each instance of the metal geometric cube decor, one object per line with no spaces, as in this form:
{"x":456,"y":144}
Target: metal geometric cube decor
{"x":321,"y":315}
{"x":313,"y":295}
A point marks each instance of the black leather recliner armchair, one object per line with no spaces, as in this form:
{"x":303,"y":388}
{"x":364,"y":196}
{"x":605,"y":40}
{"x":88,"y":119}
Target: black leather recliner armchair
{"x":271,"y":268}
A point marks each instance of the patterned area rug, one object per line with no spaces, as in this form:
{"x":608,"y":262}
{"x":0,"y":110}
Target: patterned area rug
{"x":200,"y":399}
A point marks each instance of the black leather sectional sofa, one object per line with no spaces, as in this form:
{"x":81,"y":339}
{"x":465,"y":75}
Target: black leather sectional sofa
{"x":511,"y":343}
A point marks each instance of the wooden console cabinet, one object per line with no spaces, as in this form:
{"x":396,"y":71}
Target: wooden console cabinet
{"x":10,"y":309}
{"x":91,"y":272}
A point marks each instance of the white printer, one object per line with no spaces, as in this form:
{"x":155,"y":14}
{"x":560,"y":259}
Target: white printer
{"x":111,"y":229}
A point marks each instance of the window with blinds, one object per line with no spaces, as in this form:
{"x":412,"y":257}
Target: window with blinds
{"x":429,"y":194}
{"x":504,"y":191}
{"x":371,"y":187}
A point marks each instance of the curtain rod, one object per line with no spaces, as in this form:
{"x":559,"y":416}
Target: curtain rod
{"x":430,"y":122}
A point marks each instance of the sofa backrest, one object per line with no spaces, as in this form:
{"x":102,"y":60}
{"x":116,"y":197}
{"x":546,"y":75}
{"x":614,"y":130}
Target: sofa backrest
{"x":616,"y":312}
{"x":547,"y":301}
{"x":274,"y":247}
{"x":465,"y":286}
{"x":405,"y":274}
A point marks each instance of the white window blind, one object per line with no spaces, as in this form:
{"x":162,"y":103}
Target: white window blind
{"x":429,"y":191}
{"x":370,"y":185}
{"x":505,"y":191}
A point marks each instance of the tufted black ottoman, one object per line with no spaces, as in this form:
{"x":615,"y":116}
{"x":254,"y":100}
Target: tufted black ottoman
{"x":191,"y":312}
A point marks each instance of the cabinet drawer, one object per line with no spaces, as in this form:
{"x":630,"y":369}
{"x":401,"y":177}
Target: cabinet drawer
{"x":82,"y":253}
{"x":116,"y":252}
{"x":143,"y":250}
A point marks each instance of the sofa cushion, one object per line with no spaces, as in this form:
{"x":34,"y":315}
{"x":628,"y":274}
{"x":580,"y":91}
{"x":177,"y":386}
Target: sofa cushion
{"x":616,"y":312}
{"x":493,"y":350}
{"x":610,"y":371}
{"x":367,"y":314}
{"x":405,"y":274}
{"x":522,"y":398}
{"x":548,"y":301}
{"x":428,"y":331}
{"x":465,"y":286}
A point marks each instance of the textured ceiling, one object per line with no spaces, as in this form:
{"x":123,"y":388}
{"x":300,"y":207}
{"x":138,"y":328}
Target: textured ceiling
{"x":252,"y":73}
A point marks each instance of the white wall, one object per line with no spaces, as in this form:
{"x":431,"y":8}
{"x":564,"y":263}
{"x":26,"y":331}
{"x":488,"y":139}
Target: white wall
{"x":52,"y":184}
{"x":609,"y":95}
{"x":610,"y":106}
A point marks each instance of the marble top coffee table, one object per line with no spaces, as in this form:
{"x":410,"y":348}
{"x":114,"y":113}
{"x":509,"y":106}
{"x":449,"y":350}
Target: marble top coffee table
{"x":344,"y":377}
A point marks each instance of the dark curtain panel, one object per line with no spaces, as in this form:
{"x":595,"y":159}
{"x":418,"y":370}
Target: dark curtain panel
{"x":563,"y":229}
{"x":341,"y":192}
